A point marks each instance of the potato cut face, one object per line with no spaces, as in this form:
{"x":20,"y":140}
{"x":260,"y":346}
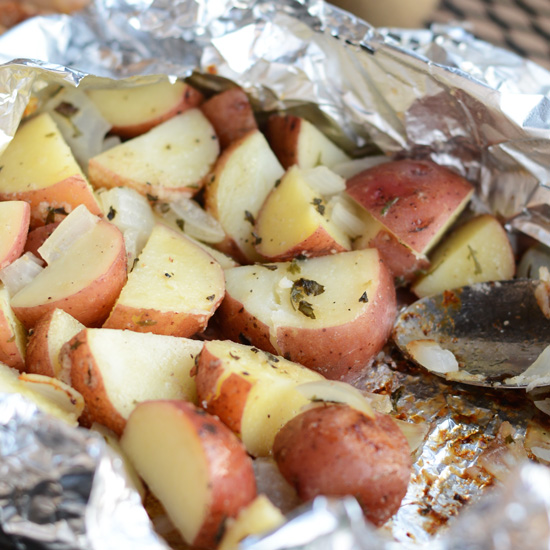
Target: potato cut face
{"x":292,"y":213}
{"x":166,"y":452}
{"x":130,"y":106}
{"x":13,"y":229}
{"x":476,"y":252}
{"x":173,"y":274}
{"x":51,"y":161}
{"x":136,"y":367}
{"x":315,"y":149}
{"x":175,"y":154}
{"x":87,"y":259}
{"x":343,"y":283}
{"x":242,"y":184}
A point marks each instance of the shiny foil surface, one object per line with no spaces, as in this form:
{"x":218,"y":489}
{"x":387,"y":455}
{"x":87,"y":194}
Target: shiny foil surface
{"x":438,"y":94}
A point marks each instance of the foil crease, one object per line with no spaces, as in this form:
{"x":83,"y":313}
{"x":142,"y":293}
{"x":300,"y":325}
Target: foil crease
{"x":436,"y":93}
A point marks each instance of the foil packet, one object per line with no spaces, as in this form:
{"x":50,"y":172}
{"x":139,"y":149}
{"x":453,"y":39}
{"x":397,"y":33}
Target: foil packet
{"x":438,"y":94}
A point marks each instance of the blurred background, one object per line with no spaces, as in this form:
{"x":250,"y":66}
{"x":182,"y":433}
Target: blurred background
{"x":522,"y":26}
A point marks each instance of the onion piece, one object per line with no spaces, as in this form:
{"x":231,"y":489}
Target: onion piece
{"x":350,"y":168}
{"x":334,"y":391}
{"x":432,"y":356}
{"x":192,"y":219}
{"x":21,"y":272}
{"x":342,"y":212}
{"x":76,"y":224}
{"x":324,"y":180}
{"x":414,"y":433}
{"x":538,"y":374}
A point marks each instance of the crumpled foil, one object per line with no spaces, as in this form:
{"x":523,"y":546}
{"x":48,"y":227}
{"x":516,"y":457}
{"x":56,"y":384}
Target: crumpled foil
{"x":438,"y":94}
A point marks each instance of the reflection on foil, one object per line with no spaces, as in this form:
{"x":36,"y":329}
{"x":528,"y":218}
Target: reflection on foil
{"x":430,"y":93}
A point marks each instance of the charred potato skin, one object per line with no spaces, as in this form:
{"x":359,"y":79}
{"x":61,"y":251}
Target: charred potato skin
{"x":334,"y":450}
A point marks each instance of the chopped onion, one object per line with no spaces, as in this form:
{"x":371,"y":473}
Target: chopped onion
{"x":341,"y":212}
{"x":80,"y":122}
{"x":21,"y":272}
{"x":538,"y":374}
{"x":336,"y":392}
{"x":414,"y":433}
{"x":432,"y":356}
{"x":324,"y":180}
{"x":131,"y":213}
{"x":192,"y":219}
{"x":542,"y":291}
{"x":76,"y":224}
{"x":350,"y":168}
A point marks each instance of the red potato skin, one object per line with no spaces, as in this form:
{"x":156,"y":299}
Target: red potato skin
{"x":230,"y":114}
{"x":282,"y":133}
{"x":171,"y":323}
{"x":227,"y":401}
{"x":190,"y":99}
{"x":399,"y":259}
{"x":91,"y":305}
{"x":66,"y":194}
{"x":86,"y":378}
{"x":412,"y":198}
{"x":335,"y":450}
{"x":36,"y":238}
{"x":319,"y":243}
{"x":36,"y":360}
{"x":303,"y":345}
{"x":19,"y":244}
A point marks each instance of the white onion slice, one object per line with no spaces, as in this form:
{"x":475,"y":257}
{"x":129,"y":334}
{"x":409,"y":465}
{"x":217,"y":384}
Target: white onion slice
{"x":324,"y":180}
{"x":336,"y":392}
{"x":538,"y":374}
{"x":350,"y":168}
{"x":342,"y":214}
{"x":192,"y":219}
{"x":21,"y":272}
{"x":432,"y":356}
{"x":414,"y":433}
{"x":76,"y":224}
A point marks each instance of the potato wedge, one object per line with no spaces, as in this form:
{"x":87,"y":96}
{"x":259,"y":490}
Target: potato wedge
{"x":14,"y":226}
{"x":114,"y":370}
{"x":194,"y":464}
{"x":331,"y":313}
{"x":174,"y":288}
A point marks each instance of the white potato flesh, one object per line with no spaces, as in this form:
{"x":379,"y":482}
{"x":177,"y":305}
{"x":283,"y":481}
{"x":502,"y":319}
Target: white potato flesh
{"x":345,"y":278}
{"x":245,"y":181}
{"x":50,"y":162}
{"x":86,"y":260}
{"x":173,"y":274}
{"x":131,"y":106}
{"x":12,"y":228}
{"x":137,"y":367}
{"x":292,"y":213}
{"x":476,"y":252}
{"x":172,"y":462}
{"x":177,"y":153}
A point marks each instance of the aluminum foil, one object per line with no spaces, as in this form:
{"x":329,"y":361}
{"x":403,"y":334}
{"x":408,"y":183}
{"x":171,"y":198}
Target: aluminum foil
{"x":436,"y":93}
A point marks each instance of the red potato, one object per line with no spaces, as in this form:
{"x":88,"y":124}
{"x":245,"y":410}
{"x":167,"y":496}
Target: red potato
{"x":15,"y":218}
{"x":243,"y":176}
{"x":332,"y":313}
{"x":296,"y":141}
{"x":194,"y":465}
{"x":293,"y":221}
{"x":114,"y":370}
{"x":50,"y":179}
{"x":174,"y":288}
{"x":252,"y":392}
{"x":335,"y":450}
{"x":231,"y":115}
{"x":134,"y":111}
{"x":44,"y":344}
{"x":84,"y":280}
{"x":173,"y":157}
{"x":412,"y":203}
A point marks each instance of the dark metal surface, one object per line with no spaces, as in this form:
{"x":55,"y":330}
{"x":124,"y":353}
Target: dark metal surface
{"x":495,"y":329}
